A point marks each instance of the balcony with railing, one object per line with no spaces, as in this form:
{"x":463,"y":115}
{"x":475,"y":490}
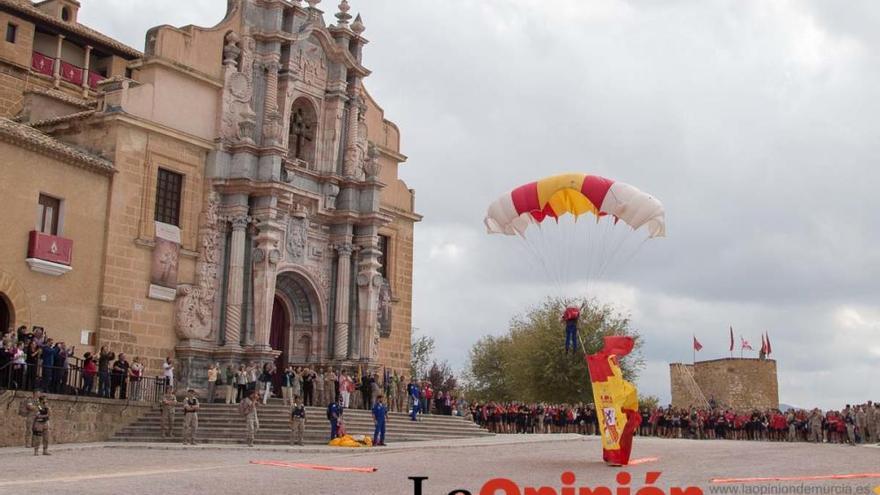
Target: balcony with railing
{"x":72,"y":73}
{"x":49,"y":254}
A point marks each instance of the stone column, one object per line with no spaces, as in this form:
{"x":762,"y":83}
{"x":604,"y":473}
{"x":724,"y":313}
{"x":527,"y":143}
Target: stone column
{"x":272,"y":128}
{"x":350,"y":163}
{"x":368,"y":282}
{"x":86,"y":67}
{"x":235,"y":286}
{"x":343,"y":283}
{"x":57,"y":73}
{"x":265,"y":259}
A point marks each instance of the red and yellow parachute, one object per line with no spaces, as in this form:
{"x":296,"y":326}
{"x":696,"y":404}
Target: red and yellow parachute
{"x":576,"y":194}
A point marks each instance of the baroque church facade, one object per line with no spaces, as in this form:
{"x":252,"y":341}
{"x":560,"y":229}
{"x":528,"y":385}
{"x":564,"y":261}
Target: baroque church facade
{"x":250,"y":207}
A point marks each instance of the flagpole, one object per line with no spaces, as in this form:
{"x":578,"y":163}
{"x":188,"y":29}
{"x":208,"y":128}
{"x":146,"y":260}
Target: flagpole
{"x":694,"y":347}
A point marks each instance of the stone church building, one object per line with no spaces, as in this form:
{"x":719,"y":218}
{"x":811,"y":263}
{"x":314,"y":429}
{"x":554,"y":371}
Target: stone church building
{"x":229,"y":194}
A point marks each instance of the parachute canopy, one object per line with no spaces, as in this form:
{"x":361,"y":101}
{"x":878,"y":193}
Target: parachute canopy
{"x":576,"y":194}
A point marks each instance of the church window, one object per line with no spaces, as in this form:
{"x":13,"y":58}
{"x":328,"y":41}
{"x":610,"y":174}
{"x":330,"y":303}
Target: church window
{"x":169,"y":186}
{"x":47,"y":214}
{"x":65,"y":14}
{"x":11,"y":32}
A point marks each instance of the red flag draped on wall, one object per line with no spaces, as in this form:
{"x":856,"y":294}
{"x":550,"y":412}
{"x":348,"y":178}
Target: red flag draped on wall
{"x":617,"y":402}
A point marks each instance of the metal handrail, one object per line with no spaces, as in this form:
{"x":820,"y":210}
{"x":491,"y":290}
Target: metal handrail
{"x":72,"y":380}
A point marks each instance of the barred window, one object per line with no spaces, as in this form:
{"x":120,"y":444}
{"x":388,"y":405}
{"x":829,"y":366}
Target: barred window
{"x":168,"y":193}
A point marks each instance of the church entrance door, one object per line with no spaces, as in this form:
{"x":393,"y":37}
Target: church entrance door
{"x":278,"y":337}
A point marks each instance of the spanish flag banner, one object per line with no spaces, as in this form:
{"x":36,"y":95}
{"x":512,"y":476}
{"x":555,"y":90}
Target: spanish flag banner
{"x":617,"y":402}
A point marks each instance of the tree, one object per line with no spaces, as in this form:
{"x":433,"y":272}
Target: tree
{"x":441,"y":377}
{"x":530,"y":364}
{"x":649,"y":402}
{"x":422,"y":354}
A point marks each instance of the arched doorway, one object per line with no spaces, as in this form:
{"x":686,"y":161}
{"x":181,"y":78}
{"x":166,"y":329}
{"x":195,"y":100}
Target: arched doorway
{"x":278,"y":337}
{"x":5,"y":313}
{"x":305,"y":334}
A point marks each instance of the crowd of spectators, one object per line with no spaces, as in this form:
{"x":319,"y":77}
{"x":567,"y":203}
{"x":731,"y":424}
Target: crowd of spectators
{"x":31,"y":360}
{"x":850,"y":425}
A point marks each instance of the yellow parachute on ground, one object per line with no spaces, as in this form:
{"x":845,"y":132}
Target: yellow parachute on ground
{"x":350,"y":441}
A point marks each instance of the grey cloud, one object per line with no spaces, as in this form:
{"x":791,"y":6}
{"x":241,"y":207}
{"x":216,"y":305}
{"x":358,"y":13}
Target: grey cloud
{"x":756,"y":123}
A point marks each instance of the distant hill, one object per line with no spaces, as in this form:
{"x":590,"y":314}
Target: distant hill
{"x":786,"y":407}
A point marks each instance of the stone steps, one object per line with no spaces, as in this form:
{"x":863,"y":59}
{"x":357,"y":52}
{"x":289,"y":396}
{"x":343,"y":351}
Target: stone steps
{"x":222,"y":424}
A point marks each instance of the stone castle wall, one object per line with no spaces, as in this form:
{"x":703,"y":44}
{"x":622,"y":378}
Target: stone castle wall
{"x":71,"y":419}
{"x":736,"y":383}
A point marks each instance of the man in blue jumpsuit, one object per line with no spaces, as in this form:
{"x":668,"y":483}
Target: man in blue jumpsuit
{"x":414,"y":394}
{"x":380,"y":414}
{"x":334,"y":412}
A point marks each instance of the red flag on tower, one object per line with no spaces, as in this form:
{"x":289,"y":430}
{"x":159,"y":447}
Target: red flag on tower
{"x":731,"y":338}
{"x":697,"y":345}
{"x":763,"y":345}
{"x":769,"y":349}
{"x":745,"y":344}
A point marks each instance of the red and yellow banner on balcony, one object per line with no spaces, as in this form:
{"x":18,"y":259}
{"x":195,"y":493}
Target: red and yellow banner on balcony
{"x":617,"y":402}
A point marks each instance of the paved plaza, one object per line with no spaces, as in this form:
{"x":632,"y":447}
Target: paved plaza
{"x":528,"y":461}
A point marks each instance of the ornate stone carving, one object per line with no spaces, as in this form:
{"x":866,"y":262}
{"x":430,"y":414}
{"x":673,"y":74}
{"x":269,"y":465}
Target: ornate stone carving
{"x":259,"y":255}
{"x":311,"y":65}
{"x":343,"y":16}
{"x":331,"y":192}
{"x":297,"y":237}
{"x":195,"y":303}
{"x":344,"y":249}
{"x":372,"y":167}
{"x":358,"y":25}
{"x":274,"y":256}
{"x":231,"y":50}
{"x":238,"y":120}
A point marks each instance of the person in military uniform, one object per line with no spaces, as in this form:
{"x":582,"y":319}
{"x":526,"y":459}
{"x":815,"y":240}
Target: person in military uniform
{"x":391,"y":391}
{"x":297,"y":421}
{"x":874,"y":414}
{"x":190,"y":417}
{"x":248,"y":409}
{"x":380,"y":415}
{"x":402,"y":396}
{"x":40,"y":426}
{"x":334,"y":414}
{"x":169,"y":402}
{"x":28,"y":410}
{"x":320,"y":400}
{"x":816,"y":426}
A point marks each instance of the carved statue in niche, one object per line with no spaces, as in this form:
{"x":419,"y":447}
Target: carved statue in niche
{"x":372,"y":167}
{"x":384,"y":310}
{"x":195,"y":303}
{"x":297,"y":236}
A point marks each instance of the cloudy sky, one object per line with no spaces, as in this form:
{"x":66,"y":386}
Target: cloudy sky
{"x":757,"y":123}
